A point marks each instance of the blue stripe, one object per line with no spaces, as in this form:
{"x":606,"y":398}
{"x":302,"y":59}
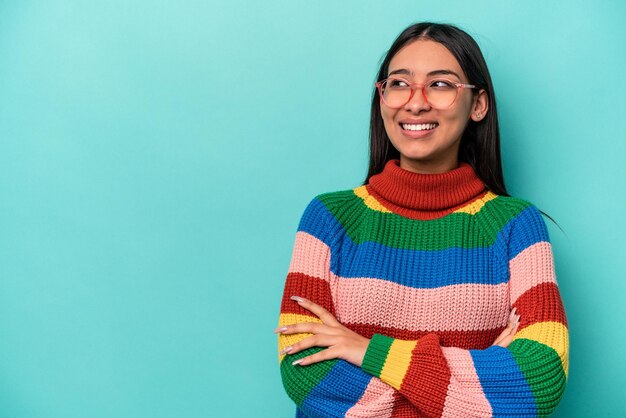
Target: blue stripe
{"x":503,"y":383}
{"x":314,"y":220}
{"x":326,"y":400}
{"x":417,"y":268}
{"x":527,"y":228}
{"x":412,"y":268}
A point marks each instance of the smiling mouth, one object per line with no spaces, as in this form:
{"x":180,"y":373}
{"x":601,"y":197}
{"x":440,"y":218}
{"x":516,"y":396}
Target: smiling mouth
{"x":419,"y":127}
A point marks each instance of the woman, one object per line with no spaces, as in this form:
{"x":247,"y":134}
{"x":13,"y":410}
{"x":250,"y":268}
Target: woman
{"x":427,"y":290}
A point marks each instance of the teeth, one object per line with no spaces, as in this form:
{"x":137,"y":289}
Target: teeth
{"x":420,"y":127}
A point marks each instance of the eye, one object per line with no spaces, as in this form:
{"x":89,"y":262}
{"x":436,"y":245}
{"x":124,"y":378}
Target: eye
{"x":397,"y":83}
{"x":441,"y":85}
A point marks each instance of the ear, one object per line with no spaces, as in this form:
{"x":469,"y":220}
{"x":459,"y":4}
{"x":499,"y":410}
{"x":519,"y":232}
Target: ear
{"x":480,"y":107}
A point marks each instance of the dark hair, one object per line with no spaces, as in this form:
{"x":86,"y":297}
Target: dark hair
{"x":480,"y":143}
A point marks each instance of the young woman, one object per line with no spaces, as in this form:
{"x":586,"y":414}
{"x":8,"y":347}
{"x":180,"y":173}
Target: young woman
{"x":428,"y":290}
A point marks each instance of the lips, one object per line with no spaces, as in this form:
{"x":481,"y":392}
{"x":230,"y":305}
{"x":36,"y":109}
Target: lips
{"x":419,"y":126}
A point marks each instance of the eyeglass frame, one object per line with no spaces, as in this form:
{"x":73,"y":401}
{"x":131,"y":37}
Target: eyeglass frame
{"x":414,"y":86}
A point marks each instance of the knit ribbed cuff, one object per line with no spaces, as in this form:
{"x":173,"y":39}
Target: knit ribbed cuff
{"x":376,"y":354}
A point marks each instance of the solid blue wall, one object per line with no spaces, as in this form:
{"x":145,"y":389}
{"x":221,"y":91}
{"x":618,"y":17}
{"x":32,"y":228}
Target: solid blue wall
{"x":156,"y":157}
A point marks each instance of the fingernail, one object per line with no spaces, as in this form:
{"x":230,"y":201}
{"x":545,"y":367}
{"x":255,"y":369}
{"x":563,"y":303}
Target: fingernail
{"x":280,"y":329}
{"x":297,"y":362}
{"x":297,"y":298}
{"x":286,"y":350}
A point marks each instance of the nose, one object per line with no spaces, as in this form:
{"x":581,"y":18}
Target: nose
{"x":417,"y":102}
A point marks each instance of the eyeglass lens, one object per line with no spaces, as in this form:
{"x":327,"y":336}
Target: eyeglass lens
{"x":439,"y":93}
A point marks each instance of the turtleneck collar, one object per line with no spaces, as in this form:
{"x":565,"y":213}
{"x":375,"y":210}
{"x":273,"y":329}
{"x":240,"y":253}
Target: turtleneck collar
{"x":414,"y":194}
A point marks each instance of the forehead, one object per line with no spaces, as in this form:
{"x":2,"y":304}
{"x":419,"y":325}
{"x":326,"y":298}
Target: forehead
{"x":422,"y":56}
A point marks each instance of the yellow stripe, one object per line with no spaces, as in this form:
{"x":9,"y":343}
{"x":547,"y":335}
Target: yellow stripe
{"x":369,"y":200}
{"x":475,"y":207}
{"x":472,"y":209}
{"x":397,"y":362}
{"x":552,"y":334}
{"x":290,"y":339}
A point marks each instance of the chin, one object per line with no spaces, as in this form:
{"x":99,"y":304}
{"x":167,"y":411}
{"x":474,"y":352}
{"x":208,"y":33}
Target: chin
{"x":417,"y":158}
{"x":415,"y":154}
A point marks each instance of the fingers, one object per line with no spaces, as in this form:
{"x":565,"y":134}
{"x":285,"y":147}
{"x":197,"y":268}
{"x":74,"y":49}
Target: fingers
{"x":508,"y":329}
{"x":301,"y":327}
{"x":506,"y":337}
{"x":505,"y":341}
{"x":319,"y":340}
{"x":516,"y":327}
{"x":315,"y":358}
{"x":513,"y":316}
{"x":319,"y":311}
{"x":325,"y":334}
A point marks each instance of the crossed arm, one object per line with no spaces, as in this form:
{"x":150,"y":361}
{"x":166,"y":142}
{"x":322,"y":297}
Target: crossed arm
{"x":344,"y":345}
{"x":329,"y":370}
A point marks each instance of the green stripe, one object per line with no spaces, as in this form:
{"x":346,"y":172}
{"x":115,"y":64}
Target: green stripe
{"x":300,"y":380}
{"x":546,"y":378}
{"x":350,"y":211}
{"x":376,"y":354}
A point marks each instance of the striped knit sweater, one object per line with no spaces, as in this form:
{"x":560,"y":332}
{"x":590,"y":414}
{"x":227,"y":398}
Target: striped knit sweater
{"x":428,"y":266}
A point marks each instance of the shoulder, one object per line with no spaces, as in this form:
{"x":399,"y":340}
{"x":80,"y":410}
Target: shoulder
{"x":322,"y":215}
{"x":331,"y":201}
{"x":336,"y":198}
{"x":512,"y":205}
{"x":525,"y":225}
{"x":326,"y":205}
{"x":515,"y":209}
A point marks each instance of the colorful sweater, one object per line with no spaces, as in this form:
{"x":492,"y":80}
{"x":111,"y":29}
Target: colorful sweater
{"x":428,"y":266}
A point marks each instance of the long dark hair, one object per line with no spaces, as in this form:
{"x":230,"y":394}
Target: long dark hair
{"x":480,"y":143}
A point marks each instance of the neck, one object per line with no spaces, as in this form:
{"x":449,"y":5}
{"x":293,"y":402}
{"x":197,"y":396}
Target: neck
{"x":425,"y":195}
{"x":428,"y":167}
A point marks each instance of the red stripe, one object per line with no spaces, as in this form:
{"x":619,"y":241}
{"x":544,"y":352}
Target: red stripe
{"x":402,"y":408}
{"x":476,"y":340}
{"x":312,"y":288}
{"x":404,"y":189}
{"x":539,"y":304}
{"x":424,"y":215}
{"x":426,"y":381}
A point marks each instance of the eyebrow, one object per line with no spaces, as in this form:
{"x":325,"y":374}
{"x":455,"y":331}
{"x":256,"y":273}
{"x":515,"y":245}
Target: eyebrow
{"x":434,"y":72}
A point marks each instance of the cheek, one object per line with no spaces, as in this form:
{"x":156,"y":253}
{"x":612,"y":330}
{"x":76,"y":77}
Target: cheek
{"x":465,"y":110}
{"x":387,"y":115}
{"x":460,"y":115}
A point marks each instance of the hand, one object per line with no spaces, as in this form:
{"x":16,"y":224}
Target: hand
{"x":506,"y":337}
{"x":342,"y":342}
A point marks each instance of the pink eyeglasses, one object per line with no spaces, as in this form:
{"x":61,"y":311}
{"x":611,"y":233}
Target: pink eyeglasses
{"x":440,"y":93}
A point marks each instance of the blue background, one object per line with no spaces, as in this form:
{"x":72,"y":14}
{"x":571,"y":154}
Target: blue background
{"x":156,"y":157}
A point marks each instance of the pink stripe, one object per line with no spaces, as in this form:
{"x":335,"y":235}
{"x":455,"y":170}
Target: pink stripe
{"x":310,"y":256}
{"x":377,"y":401}
{"x":358,"y":300}
{"x":532,"y":266}
{"x":465,"y":396}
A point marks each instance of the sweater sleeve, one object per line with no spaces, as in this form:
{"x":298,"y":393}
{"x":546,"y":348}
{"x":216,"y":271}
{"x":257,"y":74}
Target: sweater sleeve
{"x":332,"y":388}
{"x":526,"y":379}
